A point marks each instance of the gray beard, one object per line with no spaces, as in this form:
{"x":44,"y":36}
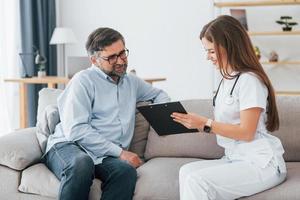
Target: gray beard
{"x":113,"y":73}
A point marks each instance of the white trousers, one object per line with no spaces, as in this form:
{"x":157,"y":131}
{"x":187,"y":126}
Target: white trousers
{"x":223,"y":179}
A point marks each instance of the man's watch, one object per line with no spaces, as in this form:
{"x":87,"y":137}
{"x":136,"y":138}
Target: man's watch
{"x":207,"y":126}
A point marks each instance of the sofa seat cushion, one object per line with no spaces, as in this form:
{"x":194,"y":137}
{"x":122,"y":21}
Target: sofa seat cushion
{"x":24,"y":196}
{"x":9,"y":180}
{"x":158,"y":179}
{"x":288,"y":190}
{"x":47,"y":184}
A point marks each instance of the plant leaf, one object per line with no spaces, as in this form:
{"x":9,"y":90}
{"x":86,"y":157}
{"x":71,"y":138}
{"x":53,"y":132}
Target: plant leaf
{"x":285,"y":17}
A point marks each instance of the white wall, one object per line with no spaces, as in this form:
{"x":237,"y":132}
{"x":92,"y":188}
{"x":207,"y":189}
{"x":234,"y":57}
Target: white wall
{"x":162,"y":36}
{"x":263,"y":18}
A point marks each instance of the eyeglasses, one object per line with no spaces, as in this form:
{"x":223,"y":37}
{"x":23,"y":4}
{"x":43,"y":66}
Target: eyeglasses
{"x":114,"y":58}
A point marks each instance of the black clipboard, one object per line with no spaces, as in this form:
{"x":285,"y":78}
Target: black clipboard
{"x":159,"y":117}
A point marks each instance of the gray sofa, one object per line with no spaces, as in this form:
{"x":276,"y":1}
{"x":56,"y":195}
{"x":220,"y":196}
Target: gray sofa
{"x":23,"y":177}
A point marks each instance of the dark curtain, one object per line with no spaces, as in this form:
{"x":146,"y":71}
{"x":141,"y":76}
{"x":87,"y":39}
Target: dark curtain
{"x":38,"y":20}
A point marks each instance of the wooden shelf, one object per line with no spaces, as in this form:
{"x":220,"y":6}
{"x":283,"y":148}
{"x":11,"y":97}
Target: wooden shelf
{"x":151,"y":80}
{"x":257,"y":3}
{"x":253,"y":3}
{"x":265,"y":33}
{"x":281,"y":63}
{"x":282,"y":93}
{"x":287,"y":93}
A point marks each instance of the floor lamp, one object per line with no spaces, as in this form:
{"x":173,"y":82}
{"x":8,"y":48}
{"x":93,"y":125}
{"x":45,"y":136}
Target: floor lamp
{"x":62,"y":36}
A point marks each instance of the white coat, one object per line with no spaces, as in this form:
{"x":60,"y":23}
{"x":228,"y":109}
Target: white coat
{"x":247,"y":167}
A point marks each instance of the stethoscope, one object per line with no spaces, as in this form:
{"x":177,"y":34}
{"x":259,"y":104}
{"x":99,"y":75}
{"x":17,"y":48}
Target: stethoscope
{"x":229,"y":100}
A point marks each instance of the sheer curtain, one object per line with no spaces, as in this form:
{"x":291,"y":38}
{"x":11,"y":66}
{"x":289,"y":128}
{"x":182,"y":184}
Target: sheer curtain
{"x":10,"y":46}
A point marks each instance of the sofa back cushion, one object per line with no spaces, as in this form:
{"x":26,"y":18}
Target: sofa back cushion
{"x":140,"y":135}
{"x":46,"y":124}
{"x":204,"y":146}
{"x":289,"y":130}
{"x":47,"y":96}
{"x":47,"y":115}
{"x":197,"y":145}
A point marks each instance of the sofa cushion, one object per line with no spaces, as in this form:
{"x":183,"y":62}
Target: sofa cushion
{"x":24,"y":196}
{"x":289,"y":130}
{"x":19,"y":149}
{"x":46,"y":125}
{"x":159,"y":179}
{"x":199,"y":106}
{"x":47,"y":184}
{"x":47,"y":115}
{"x":9,"y":180}
{"x":47,"y":96}
{"x":192,"y":145}
{"x":288,"y":190}
{"x":140,"y":135}
{"x":198,"y":145}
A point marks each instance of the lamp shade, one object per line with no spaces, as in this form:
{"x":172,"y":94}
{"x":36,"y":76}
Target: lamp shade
{"x":62,"y":35}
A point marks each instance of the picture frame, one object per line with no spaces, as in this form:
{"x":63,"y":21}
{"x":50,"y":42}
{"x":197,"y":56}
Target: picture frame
{"x":240,"y":15}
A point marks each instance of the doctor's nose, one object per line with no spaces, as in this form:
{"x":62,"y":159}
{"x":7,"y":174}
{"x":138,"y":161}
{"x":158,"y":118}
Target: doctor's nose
{"x":208,"y":56}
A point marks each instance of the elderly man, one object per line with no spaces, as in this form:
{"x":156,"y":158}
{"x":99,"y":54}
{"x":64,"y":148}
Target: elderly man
{"x":97,"y":112}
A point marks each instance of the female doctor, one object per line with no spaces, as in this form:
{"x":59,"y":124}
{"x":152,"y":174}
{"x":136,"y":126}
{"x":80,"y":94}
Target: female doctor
{"x":245,"y":112}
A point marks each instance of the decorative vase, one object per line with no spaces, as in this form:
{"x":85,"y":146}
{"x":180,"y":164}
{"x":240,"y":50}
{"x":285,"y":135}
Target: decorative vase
{"x":273,"y":57}
{"x":41,"y":74}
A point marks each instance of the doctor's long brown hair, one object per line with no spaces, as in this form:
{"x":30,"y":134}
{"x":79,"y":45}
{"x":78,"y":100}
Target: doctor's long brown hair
{"x":227,"y":33}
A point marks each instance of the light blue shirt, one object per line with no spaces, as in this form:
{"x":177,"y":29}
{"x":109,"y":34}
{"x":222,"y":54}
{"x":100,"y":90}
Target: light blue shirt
{"x":98,"y":114}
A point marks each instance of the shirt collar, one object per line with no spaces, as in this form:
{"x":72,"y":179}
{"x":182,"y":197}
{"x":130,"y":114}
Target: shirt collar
{"x":99,"y":71}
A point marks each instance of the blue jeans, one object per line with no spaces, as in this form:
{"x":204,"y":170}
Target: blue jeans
{"x":76,"y":171}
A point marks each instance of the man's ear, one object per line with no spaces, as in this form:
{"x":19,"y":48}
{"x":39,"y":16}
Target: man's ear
{"x":93,"y":60}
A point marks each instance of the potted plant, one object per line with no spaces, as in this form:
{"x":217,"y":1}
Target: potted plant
{"x":40,"y":61}
{"x":41,"y":70}
{"x":285,"y":20}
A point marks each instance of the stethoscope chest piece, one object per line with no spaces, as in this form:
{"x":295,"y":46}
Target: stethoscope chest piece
{"x":229,"y":100}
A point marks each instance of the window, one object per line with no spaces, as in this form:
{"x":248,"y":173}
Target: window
{"x":9,"y":64}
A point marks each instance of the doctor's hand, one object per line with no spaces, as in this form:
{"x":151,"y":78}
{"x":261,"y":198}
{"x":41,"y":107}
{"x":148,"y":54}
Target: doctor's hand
{"x":132,"y":158}
{"x":190,"y":120}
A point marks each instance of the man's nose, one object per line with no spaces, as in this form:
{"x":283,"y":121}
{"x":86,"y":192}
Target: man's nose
{"x":120,"y":60}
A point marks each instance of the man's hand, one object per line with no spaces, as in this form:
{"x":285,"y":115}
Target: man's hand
{"x":132,"y":158}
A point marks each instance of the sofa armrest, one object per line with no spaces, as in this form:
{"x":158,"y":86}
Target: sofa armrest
{"x":19,"y":149}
